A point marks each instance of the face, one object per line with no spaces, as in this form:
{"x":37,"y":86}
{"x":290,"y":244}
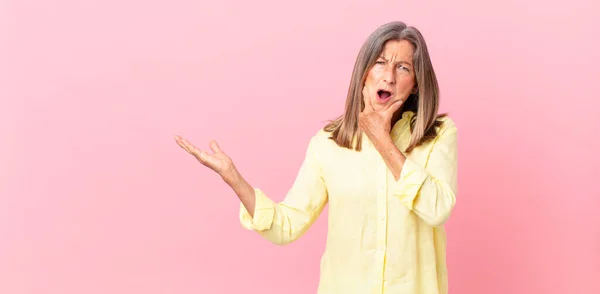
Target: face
{"x":392,"y":78}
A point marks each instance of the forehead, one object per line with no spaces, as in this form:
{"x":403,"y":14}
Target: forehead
{"x":395,"y":49}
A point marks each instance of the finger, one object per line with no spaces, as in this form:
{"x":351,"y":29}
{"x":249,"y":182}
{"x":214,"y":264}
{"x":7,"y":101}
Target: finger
{"x":199,"y":154}
{"x":181,"y":144}
{"x":204,"y":158}
{"x":367,"y":99}
{"x":189,"y":147}
{"x":215,"y":147}
{"x":394,"y":107}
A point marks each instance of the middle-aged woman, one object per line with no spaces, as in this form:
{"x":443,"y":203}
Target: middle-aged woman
{"x":387,"y":167}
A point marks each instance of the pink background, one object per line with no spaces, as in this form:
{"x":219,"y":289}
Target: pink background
{"x":96,"y":197}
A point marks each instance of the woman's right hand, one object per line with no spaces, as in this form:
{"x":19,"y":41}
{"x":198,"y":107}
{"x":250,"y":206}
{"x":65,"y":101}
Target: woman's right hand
{"x":218,"y":161}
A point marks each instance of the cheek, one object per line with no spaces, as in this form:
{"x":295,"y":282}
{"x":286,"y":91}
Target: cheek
{"x":372,"y":78}
{"x":405,"y":86}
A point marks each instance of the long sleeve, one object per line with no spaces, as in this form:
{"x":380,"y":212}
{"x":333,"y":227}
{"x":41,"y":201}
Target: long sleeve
{"x":284,"y":222}
{"x":430,"y":191}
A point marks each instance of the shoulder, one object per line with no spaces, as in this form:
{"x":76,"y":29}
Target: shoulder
{"x":322,"y":134}
{"x":319,"y":146}
{"x":446,"y":132}
{"x":320,"y":139}
{"x":447,"y":125}
{"x":322,"y":144}
{"x":443,"y":123}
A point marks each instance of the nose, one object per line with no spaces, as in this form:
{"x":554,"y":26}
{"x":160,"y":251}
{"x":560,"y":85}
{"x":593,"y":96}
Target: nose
{"x":389,"y":75}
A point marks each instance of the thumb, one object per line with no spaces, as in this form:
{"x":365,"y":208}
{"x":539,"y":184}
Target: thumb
{"x":215,"y":147}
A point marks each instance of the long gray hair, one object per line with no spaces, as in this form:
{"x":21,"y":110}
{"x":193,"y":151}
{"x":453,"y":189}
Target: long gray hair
{"x":425,"y":102}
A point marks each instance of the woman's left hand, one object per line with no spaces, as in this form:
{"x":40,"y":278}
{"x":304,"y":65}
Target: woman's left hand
{"x":377,"y":124}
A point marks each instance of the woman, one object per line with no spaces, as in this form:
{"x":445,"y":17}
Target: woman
{"x":387,"y":167}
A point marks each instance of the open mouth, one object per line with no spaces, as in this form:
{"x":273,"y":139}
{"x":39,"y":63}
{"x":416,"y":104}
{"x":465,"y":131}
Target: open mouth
{"x":384,"y":95}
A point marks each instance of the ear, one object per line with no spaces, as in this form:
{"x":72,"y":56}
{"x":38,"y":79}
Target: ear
{"x":415,"y":90}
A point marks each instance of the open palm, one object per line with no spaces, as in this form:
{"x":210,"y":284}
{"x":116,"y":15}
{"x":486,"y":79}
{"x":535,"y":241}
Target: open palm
{"x":218,"y":161}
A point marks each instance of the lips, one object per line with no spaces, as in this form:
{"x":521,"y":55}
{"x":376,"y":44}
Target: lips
{"x":384,"y":95}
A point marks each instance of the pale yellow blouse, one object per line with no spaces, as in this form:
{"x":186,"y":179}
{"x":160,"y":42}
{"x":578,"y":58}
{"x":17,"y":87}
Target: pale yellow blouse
{"x":384,"y":236}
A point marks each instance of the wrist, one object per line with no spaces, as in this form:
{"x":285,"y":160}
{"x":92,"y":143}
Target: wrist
{"x":232,"y":177}
{"x":393,"y":157}
{"x":239,"y":185}
{"x":383,"y":142}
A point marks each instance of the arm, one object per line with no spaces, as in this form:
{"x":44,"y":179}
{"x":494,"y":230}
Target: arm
{"x":284,"y":222}
{"x":429,"y":191}
{"x":280,"y":223}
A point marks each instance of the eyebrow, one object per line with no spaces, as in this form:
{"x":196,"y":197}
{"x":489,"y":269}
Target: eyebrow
{"x":400,"y":61}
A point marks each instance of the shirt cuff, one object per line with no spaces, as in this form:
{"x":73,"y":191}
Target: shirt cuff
{"x":264,"y":211}
{"x":411,"y":179}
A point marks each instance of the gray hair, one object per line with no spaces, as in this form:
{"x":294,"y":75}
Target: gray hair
{"x":425,"y":102}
